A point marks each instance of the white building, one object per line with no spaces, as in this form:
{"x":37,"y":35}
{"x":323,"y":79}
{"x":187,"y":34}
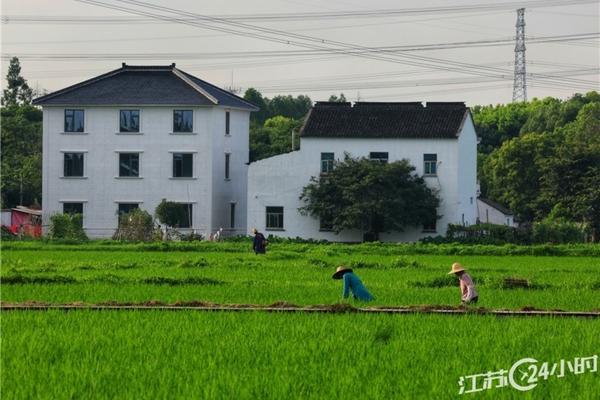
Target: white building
{"x":439,"y":140}
{"x":139,"y":134}
{"x":490,"y":212}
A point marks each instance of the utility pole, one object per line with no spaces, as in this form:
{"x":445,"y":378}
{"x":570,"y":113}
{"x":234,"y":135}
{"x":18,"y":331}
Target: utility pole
{"x":520,"y":85}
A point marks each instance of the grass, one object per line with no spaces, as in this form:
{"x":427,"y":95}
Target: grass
{"x":186,"y":354}
{"x":152,"y":354}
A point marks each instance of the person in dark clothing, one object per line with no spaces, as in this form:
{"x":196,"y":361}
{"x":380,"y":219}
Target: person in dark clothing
{"x":260,"y":243}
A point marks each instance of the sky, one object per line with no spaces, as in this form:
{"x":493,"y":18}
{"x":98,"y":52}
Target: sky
{"x":63,"y":42}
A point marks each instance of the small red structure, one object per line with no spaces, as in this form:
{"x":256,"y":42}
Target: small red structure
{"x":26,"y":221}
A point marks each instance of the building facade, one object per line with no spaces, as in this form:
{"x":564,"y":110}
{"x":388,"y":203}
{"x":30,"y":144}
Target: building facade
{"x":140,"y":134}
{"x":439,"y":139}
{"x":490,"y":212}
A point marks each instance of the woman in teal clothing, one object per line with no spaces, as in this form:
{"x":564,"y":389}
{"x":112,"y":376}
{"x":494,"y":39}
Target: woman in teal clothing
{"x":352,"y":283}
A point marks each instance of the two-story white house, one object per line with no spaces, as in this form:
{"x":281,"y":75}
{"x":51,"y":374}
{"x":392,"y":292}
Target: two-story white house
{"x":139,"y":134}
{"x":439,"y":139}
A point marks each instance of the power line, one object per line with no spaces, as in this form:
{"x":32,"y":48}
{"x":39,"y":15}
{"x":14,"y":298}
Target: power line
{"x":295,"y":53}
{"x":306,"y":16}
{"x":282,"y":37}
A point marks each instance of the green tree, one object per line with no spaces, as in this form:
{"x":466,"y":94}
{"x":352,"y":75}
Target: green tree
{"x":289,"y":106}
{"x":21,"y":140}
{"x":371,"y":196}
{"x":275,"y":137}
{"x":255,"y":97}
{"x":513,"y":174}
{"x":572,"y":180}
{"x":335,"y":99}
{"x":17,"y":90}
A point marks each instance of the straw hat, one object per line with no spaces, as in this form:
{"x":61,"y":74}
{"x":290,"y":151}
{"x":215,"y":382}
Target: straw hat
{"x":456,"y":268}
{"x":254,"y":230}
{"x":340,"y":271}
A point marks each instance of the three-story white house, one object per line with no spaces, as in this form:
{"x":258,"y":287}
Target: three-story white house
{"x":139,"y":134}
{"x":439,"y":139}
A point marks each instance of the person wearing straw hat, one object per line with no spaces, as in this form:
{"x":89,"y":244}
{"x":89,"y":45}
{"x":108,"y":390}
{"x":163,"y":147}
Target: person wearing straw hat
{"x":467,"y":287}
{"x":352,"y":283}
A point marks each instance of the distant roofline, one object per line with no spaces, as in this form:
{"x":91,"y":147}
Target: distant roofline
{"x":497,"y":206}
{"x":182,"y":75}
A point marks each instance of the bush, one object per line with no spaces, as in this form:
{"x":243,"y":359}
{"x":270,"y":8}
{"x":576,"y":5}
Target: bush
{"x":136,"y":225}
{"x":557,"y":231}
{"x":67,"y":226}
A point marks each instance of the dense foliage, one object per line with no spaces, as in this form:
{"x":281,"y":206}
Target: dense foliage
{"x":550,"y":167}
{"x":136,"y":225}
{"x":370,"y":196}
{"x":67,"y":226}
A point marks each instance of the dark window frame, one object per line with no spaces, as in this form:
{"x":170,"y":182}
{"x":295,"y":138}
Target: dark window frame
{"x":227,"y":166}
{"x":327,"y":163}
{"x":121,"y":112}
{"x":227,"y":123}
{"x":325,"y":224}
{"x":180,"y":171}
{"x":274,"y":218}
{"x":70,"y":169}
{"x":72,"y":128}
{"x":189,"y":222}
{"x":232,"y":215}
{"x":430,"y":164}
{"x":132,"y":165}
{"x":379,"y":156}
{"x":72,"y":204}
{"x":430,"y":227}
{"x":129,"y":207}
{"x":180,"y":128}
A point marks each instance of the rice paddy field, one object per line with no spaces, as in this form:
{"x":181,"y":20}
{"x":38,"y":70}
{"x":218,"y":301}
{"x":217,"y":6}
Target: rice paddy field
{"x":151,"y":354}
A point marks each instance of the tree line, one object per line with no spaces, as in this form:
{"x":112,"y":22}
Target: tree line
{"x":539,"y":158}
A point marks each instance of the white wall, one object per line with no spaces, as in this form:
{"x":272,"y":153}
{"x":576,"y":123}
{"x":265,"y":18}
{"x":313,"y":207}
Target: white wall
{"x":278,"y":181}
{"x":101,"y":189}
{"x":234,"y":190}
{"x":467,"y":176}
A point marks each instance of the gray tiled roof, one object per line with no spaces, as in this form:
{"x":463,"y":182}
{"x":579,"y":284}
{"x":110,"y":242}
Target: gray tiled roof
{"x":144,"y":85}
{"x":385,"y":120}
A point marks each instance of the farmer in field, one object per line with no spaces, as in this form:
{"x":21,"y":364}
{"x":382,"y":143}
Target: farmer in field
{"x":467,"y":287}
{"x":260,"y":243}
{"x":352,"y":283}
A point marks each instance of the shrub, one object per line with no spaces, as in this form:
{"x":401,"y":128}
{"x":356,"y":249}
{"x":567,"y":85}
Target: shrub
{"x":136,"y":225}
{"x":67,"y":226}
{"x":557,"y":231}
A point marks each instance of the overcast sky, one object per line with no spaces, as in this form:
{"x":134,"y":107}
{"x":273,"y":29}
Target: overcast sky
{"x":56,"y":49}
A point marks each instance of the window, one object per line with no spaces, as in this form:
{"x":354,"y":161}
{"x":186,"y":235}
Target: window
{"x":183,"y":165}
{"x":378,"y":156}
{"x":129,"y":121}
{"x":129,"y":164}
{"x":274,"y":218}
{"x":126,"y":208}
{"x":184,"y":215}
{"x":232,"y":215}
{"x":74,"y":120}
{"x":183,"y":121}
{"x":325,"y":223}
{"x":73,"y":165}
{"x":72,"y":208}
{"x":326,"y":162}
{"x":227,"y":132}
{"x":430,"y":161}
{"x":227,"y":159}
{"x":430,"y":226}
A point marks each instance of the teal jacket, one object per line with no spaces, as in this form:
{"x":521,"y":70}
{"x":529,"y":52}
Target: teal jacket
{"x":354,"y":284}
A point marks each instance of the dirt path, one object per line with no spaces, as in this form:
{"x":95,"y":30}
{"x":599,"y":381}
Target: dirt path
{"x":287,"y":307}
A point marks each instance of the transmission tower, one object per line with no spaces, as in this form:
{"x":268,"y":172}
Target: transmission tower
{"x":520,"y":86}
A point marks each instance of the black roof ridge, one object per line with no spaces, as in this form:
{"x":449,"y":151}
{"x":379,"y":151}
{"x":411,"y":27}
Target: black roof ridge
{"x":183,"y":76}
{"x":221,"y":90}
{"x":78,"y":85}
